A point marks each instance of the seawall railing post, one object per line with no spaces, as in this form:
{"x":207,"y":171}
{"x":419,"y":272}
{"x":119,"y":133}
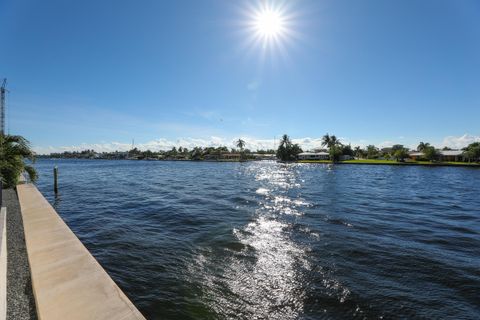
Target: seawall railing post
{"x":55,"y":179}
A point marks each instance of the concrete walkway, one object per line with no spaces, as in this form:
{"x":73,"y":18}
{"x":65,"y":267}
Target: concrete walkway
{"x":20,"y":301}
{"x":68,"y":283}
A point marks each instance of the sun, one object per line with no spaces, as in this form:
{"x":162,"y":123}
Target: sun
{"x":269,"y":23}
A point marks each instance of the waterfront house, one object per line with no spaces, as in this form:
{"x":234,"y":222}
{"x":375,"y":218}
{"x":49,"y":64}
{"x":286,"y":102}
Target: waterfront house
{"x":416,"y":155}
{"x":346,"y":157}
{"x":443,"y":156}
{"x":386,"y":150}
{"x":452,"y":155}
{"x":210,"y":157}
{"x":265,"y":156}
{"x":182,"y":157}
{"x":231,"y":156}
{"x":314,"y":156}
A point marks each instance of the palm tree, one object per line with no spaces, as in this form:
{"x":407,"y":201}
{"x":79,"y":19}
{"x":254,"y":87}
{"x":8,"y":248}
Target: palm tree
{"x":335,"y":141}
{"x":400,"y":154}
{"x":326,"y":140}
{"x":372,"y":152}
{"x":14,"y":150}
{"x":422,"y":146}
{"x":358,"y":152}
{"x":287,"y":151}
{"x":285,"y":140}
{"x":332,"y":142}
{"x":430,"y":152}
{"x":240,"y":144}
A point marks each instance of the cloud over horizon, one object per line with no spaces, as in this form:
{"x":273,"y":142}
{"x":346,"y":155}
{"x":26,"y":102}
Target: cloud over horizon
{"x":307,"y":143}
{"x":460,"y":142}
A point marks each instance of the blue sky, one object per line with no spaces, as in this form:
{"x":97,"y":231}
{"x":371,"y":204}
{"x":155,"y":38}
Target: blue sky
{"x":101,"y":73}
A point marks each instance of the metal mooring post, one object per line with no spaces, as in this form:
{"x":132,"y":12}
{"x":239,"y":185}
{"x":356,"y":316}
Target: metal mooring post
{"x":55,"y":179}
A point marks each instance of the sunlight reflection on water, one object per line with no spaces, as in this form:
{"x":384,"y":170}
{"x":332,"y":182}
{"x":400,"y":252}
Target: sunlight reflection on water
{"x":271,"y":284}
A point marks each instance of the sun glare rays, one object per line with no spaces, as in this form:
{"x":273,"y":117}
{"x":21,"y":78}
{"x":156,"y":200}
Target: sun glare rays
{"x":269,"y":27}
{"x":269,"y":24}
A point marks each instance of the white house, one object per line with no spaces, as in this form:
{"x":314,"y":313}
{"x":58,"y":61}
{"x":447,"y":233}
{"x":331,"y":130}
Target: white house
{"x":443,"y":155}
{"x":265,"y":156}
{"x":451,"y":155}
{"x":313,"y":156}
{"x":345,"y":157}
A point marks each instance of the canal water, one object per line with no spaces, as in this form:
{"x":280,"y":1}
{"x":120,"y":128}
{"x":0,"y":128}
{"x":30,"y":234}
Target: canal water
{"x":263,"y":240}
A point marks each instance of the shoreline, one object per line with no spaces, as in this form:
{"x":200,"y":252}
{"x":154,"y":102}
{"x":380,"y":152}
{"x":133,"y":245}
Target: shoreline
{"x":394,"y":163}
{"x":350,"y":162}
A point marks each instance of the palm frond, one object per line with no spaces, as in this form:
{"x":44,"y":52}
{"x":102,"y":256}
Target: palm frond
{"x":14,"y":150}
{"x":32,"y":173}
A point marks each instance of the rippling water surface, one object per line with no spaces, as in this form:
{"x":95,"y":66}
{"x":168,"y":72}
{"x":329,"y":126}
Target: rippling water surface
{"x":262,"y":240}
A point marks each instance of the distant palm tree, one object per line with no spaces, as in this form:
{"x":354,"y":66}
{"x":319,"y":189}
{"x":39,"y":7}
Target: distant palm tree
{"x":326,"y":140}
{"x":13,"y":151}
{"x":358,"y":151}
{"x":285,"y":140}
{"x":240,"y":144}
{"x":332,"y":142}
{"x":422,"y":146}
{"x":288,"y":151}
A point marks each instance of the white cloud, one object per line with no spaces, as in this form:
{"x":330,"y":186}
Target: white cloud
{"x":385,"y":144}
{"x":166,"y":144}
{"x":307,"y":143}
{"x":154,"y":145}
{"x":459,"y":142}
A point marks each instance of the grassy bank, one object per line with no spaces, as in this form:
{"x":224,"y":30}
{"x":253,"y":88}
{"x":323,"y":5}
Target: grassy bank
{"x":393,"y":162}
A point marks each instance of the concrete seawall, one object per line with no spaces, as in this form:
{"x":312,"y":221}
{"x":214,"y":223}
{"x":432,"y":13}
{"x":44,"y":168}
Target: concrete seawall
{"x":67,"y":281}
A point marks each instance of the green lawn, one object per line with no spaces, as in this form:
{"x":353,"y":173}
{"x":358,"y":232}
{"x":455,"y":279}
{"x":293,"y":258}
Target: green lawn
{"x":314,"y":161}
{"x":393,"y":162}
{"x":374,"y":161}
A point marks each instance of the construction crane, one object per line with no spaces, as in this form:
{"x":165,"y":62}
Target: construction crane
{"x":3,"y":90}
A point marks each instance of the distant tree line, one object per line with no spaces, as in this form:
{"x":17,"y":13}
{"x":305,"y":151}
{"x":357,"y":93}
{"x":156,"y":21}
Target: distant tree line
{"x":180,"y":153}
{"x":472,"y":152}
{"x":286,"y":151}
